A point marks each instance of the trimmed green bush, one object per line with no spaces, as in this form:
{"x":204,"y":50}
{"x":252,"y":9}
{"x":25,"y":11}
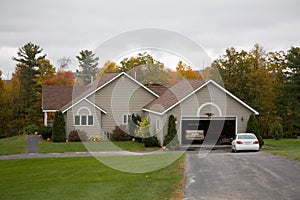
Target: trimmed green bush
{"x":151,"y":142}
{"x":253,"y":127}
{"x":171,"y":139}
{"x":276,"y":130}
{"x":58,"y":129}
{"x":46,"y":132}
{"x":119,"y":135}
{"x":31,"y":129}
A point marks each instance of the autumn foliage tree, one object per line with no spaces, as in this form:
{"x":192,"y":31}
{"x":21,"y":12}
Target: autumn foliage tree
{"x":6,"y":108}
{"x":45,"y":69}
{"x":249,"y":76}
{"x":109,"y":67}
{"x":186,"y":71}
{"x":145,"y":69}
{"x":62,"y":78}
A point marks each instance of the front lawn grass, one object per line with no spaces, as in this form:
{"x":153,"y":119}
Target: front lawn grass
{"x":13,"y":145}
{"x":284,"y":147}
{"x":17,"y":145}
{"x":86,"y":178}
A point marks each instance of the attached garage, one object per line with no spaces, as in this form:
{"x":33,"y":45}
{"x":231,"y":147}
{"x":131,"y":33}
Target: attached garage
{"x":196,"y":129}
{"x":206,"y":112}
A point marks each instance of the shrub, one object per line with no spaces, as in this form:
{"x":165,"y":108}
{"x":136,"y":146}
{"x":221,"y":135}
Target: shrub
{"x":119,"y":135}
{"x":143,"y":129}
{"x":133,"y":123}
{"x":96,"y":138}
{"x":31,"y":129}
{"x":276,"y":130}
{"x":77,"y":136}
{"x":46,"y":132}
{"x":171,"y":139}
{"x":151,"y":142}
{"x":58,"y":129}
{"x":253,"y":127}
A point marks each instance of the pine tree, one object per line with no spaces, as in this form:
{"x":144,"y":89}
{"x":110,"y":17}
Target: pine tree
{"x":58,"y":129}
{"x":291,"y":92}
{"x":29,"y":57}
{"x":253,"y":127}
{"x":171,"y":139}
{"x":88,"y":64}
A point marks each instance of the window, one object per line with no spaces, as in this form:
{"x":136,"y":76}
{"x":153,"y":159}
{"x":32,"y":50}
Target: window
{"x":157,"y":124}
{"x":84,"y":120}
{"x":126,"y":118}
{"x":90,"y":120}
{"x":77,"y":120}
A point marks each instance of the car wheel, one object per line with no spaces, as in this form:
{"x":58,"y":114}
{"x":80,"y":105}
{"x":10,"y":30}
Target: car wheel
{"x":234,"y":150}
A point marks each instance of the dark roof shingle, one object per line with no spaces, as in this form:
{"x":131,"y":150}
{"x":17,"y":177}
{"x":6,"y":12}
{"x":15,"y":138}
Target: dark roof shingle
{"x":174,"y":94}
{"x":55,"y":97}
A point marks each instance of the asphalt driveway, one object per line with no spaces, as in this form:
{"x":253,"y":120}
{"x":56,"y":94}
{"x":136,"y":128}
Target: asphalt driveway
{"x":251,"y":175}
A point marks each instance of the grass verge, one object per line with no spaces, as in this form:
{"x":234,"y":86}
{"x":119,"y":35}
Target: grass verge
{"x":17,"y":145}
{"x":285,"y":147}
{"x":13,"y":145}
{"x":86,"y":178}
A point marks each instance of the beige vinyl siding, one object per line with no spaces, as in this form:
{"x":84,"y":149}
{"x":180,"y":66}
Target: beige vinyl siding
{"x":79,"y":109}
{"x":228,"y":105}
{"x":163,"y":122}
{"x":210,"y":93}
{"x":122,"y":96}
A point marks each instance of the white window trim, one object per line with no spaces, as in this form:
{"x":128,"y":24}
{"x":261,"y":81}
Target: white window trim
{"x":87,"y":116}
{"x":127,"y":118}
{"x":157,"y":124}
{"x":87,"y":120}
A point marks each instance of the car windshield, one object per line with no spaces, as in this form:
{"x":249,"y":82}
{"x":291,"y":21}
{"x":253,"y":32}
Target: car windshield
{"x":246,"y":137}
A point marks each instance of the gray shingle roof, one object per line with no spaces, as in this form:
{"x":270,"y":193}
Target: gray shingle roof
{"x":55,"y":97}
{"x":174,"y":94}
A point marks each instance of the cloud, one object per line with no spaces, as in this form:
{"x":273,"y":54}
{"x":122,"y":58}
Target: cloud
{"x":63,"y":28}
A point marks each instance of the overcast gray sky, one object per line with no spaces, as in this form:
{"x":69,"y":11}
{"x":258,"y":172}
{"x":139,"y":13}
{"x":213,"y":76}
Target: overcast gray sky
{"x":63,"y":28}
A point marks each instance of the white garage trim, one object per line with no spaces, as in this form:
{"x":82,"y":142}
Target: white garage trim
{"x":211,"y":104}
{"x":182,"y":118}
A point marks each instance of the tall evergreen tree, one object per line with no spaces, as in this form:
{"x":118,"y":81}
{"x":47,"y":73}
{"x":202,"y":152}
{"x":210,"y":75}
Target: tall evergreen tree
{"x":58,"y":129}
{"x":291,"y":92}
{"x":171,"y":139}
{"x":253,"y":127}
{"x":88,"y":64}
{"x":29,"y":57}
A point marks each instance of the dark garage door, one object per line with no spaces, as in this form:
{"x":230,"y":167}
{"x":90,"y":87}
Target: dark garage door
{"x":218,"y":129}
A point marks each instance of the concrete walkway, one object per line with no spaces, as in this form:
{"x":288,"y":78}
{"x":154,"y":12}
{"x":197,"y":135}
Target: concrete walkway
{"x":82,"y":154}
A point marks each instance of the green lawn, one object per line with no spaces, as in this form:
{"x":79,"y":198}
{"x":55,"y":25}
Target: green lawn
{"x":17,"y":145}
{"x":87,"y":178}
{"x":13,"y":145}
{"x":285,"y":147}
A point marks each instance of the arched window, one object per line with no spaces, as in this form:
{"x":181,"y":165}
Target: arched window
{"x":209,"y":104}
{"x":84,"y":117}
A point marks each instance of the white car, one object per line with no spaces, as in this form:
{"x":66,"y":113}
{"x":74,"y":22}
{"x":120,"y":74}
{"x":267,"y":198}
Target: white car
{"x":245,"y":142}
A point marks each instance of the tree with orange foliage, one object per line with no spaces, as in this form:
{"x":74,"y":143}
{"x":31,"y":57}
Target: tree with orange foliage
{"x":186,"y":71}
{"x":62,"y":78}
